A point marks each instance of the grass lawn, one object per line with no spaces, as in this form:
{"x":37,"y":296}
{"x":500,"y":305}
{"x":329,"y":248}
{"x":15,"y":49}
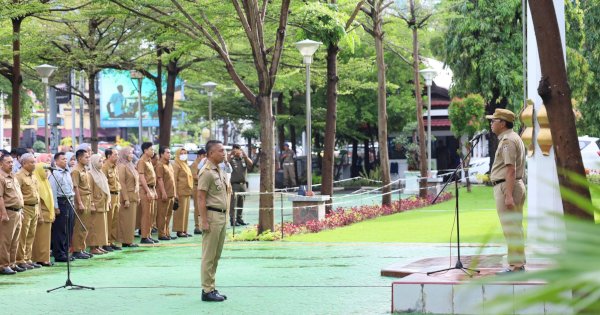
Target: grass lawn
{"x":434,"y":224}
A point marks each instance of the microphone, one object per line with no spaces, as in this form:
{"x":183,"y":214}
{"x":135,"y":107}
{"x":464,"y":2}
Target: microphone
{"x":47,"y":167}
{"x":479,"y":134}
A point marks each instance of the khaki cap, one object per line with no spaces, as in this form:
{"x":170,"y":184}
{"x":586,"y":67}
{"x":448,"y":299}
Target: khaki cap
{"x":503,"y":114}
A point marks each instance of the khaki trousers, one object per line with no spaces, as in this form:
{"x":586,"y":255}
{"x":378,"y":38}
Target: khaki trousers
{"x":97,"y":228}
{"x":146,"y":214}
{"x":154,"y":213}
{"x":41,"y":244}
{"x":9,"y":238}
{"x":512,"y":222}
{"x":196,"y":208}
{"x":289,"y":175}
{"x":164,"y":212}
{"x":112,"y":218}
{"x":181,"y":216}
{"x":127,"y":222}
{"x":212,"y":246}
{"x":27,"y":234}
{"x":79,"y":233}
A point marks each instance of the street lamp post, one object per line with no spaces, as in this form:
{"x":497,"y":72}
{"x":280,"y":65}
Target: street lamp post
{"x":428,"y":74}
{"x":134,"y":74}
{"x":210,"y":87}
{"x":45,"y":71}
{"x":1,"y":119}
{"x":307,"y":49}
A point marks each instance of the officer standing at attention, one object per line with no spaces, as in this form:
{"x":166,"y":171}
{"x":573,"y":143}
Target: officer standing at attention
{"x":214,"y":192}
{"x":200,"y":155}
{"x":240,"y":164}
{"x":287,"y":164}
{"x":11,"y":203}
{"x":166,"y":189}
{"x":112,"y":216}
{"x":147,"y":192}
{"x":509,"y":189}
{"x":83,"y":200}
{"x":31,"y":211}
{"x":63,"y":193}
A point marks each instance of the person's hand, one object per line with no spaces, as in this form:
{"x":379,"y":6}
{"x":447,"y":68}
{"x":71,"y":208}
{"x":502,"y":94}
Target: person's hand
{"x":150,"y":195}
{"x":56,"y":211}
{"x":205,"y":226}
{"x":126,"y":204}
{"x":163,"y":197}
{"x":80,"y":206}
{"x":509,"y":202}
{"x":4,"y":217}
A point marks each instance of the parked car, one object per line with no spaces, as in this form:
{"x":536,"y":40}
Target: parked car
{"x":590,"y":152}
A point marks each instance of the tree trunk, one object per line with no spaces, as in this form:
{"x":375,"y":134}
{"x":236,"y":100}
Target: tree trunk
{"x":267,"y":164}
{"x":354,"y":170}
{"x":16,"y":82}
{"x":92,"y":107}
{"x":420,"y":124}
{"x":366,"y":159}
{"x":465,"y":161}
{"x":225,"y":131}
{"x":382,"y":136}
{"x":165,"y":109}
{"x":330,"y":126}
{"x":281,"y":127}
{"x":556,"y":93}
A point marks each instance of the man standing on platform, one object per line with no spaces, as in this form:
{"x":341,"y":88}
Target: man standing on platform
{"x":214,"y":192}
{"x":31,"y":211}
{"x":509,"y":190}
{"x":166,"y":188}
{"x":287,"y":164}
{"x":112,"y":219}
{"x":63,"y":193}
{"x":83,"y":192}
{"x":11,"y":203}
{"x":240,"y":164}
{"x":147,"y":192}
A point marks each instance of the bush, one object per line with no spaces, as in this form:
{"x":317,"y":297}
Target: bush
{"x":39,"y":147}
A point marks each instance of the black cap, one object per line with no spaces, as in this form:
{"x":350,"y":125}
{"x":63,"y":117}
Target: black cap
{"x":201,"y":151}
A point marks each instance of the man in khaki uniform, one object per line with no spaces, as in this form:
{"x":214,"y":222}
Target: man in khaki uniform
{"x":240,"y":164}
{"x":287,"y":164}
{"x":166,"y":187}
{"x":83,"y":192}
{"x":112,"y":216}
{"x":509,"y":190}
{"x":147,"y":192}
{"x":31,"y":211}
{"x":200,"y":155}
{"x":214,"y":193}
{"x":11,"y":203}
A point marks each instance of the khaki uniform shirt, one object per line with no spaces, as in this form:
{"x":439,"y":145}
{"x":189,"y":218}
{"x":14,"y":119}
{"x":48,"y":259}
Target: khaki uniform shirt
{"x":289,"y":156}
{"x":165,"y":172}
{"x":110,"y":171}
{"x":214,"y":181}
{"x":511,"y":151}
{"x":29,"y":187}
{"x":239,"y":170}
{"x":99,"y":197}
{"x":81,"y":180}
{"x":195,"y":170}
{"x":181,"y":181}
{"x":144,"y":167}
{"x":131,"y":183}
{"x":10,"y":190}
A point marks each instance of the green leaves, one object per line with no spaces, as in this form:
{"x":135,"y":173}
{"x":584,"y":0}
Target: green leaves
{"x":467,"y":115}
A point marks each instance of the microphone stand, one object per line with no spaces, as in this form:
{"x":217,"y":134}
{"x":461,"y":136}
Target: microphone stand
{"x":69,"y":283}
{"x":459,"y":265}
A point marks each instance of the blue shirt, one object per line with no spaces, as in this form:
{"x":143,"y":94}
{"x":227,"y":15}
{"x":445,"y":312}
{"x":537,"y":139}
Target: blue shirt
{"x":64,"y":179}
{"x":117,"y":100}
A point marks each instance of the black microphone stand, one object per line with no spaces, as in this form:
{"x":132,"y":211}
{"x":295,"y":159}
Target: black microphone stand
{"x":69,"y":283}
{"x":459,"y":265}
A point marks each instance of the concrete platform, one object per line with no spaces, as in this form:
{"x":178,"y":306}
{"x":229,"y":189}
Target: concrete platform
{"x":455,"y":291}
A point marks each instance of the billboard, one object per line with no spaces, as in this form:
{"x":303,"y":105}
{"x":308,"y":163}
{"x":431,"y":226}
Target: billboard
{"x":119,"y":100}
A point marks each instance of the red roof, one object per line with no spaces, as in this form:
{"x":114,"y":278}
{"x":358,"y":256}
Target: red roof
{"x":438,"y":122}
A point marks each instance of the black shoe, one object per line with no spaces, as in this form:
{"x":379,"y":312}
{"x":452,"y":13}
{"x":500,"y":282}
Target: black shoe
{"x":108,"y":248}
{"x":154,"y":231}
{"x":25,"y":266}
{"x":189,"y":235}
{"x":212,"y":297}
{"x":181,"y":234}
{"x":223,"y":295}
{"x":80,"y":255}
{"x":241,"y":222}
{"x":35,"y":265}
{"x":173,"y":237}
{"x":197,"y":231}
{"x":233,"y":223}
{"x":115,"y":247}
{"x":61,"y":259}
{"x":7,"y":271}
{"x":147,"y":240}
{"x":130,"y":245}
{"x":155,"y":241}
{"x":165,"y":238}
{"x":46,"y":264}
{"x":508,"y":271}
{"x":17,"y":268}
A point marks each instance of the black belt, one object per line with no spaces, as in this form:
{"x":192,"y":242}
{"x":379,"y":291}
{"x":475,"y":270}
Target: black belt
{"x":13,"y":209}
{"x":216,"y":209}
{"x":151,"y":186}
{"x":496,"y":182}
{"x":114,"y":192}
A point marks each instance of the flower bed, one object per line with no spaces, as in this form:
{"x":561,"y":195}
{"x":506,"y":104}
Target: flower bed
{"x":341,"y":217}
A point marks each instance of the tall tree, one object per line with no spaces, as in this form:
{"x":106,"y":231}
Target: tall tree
{"x":556,"y":94}
{"x":376,"y":10}
{"x":198,"y":23}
